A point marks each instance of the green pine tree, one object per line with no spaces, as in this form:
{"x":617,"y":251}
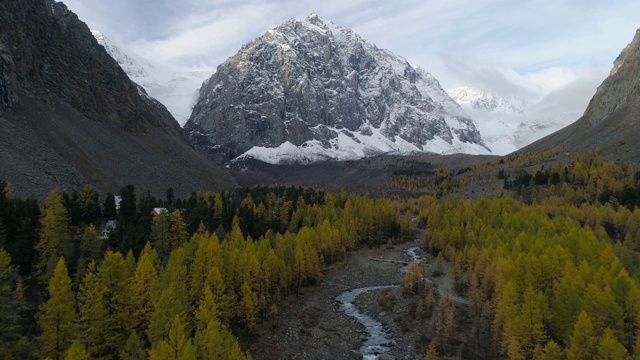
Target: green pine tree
{"x":133,"y":349}
{"x":10,"y":329}
{"x":584,"y":342}
{"x":92,"y":312}
{"x":161,"y":235}
{"x":609,"y":348}
{"x":55,"y":240}
{"x":113,"y":280}
{"x":57,"y":315}
{"x":77,"y":352}
{"x":177,"y":346}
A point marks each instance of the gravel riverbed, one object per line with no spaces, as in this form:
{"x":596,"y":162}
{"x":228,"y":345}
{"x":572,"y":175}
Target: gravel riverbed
{"x":314,"y":327}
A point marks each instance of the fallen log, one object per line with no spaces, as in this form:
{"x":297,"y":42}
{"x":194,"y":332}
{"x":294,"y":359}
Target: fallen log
{"x":391,"y":261}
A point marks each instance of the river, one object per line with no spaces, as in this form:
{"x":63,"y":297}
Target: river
{"x":378,"y":340}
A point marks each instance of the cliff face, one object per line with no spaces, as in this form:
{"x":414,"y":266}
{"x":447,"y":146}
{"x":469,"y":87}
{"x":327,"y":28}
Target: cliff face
{"x":308,"y":86}
{"x":69,"y":113}
{"x":611,"y":121}
{"x":620,"y":90}
{"x":48,"y":53}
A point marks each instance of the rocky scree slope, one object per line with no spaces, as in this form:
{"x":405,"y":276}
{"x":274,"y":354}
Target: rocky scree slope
{"x":309,"y":90}
{"x":69,"y":114}
{"x":611,"y":121}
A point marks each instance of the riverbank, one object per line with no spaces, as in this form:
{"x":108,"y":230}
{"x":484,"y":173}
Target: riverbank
{"x":314,"y":326}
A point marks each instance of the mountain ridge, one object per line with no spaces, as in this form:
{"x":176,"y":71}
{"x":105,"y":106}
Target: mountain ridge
{"x":308,"y":90}
{"x":176,"y":90}
{"x":610,"y":123}
{"x":70,"y":115}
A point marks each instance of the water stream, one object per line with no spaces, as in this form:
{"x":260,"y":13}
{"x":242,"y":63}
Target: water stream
{"x":413,"y":252}
{"x":378,"y":340}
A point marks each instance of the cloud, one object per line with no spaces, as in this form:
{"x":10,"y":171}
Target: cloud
{"x":204,"y":42}
{"x":532,"y":49}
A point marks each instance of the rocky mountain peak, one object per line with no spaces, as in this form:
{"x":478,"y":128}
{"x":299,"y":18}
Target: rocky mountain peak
{"x":610,"y":123}
{"x":486,"y":101}
{"x":310,"y":90}
{"x":619,"y":92}
{"x":626,"y":53}
{"x":133,"y":65}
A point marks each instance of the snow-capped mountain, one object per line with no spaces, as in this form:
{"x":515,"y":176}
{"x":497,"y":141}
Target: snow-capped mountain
{"x":486,"y":101}
{"x":309,"y":90}
{"x":507,"y":125}
{"x":175,"y":90}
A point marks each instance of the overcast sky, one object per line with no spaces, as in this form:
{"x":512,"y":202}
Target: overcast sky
{"x":531,"y":48}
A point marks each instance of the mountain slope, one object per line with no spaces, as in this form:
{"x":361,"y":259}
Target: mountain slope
{"x":309,"y":90}
{"x":70,"y":115}
{"x":611,"y":120}
{"x":177,"y":90}
{"x":486,"y":102}
{"x":507,"y":125}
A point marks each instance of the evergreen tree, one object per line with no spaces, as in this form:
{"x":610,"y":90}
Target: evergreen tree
{"x":89,"y":205}
{"x":514,"y":350}
{"x":113,"y":280}
{"x":92,"y":312}
{"x":57,"y":315}
{"x":128,"y":207}
{"x":3,"y":234}
{"x":161,"y":235}
{"x":177,"y":347}
{"x":178,"y":229}
{"x":109,"y":207}
{"x":551,"y":351}
{"x":584,"y":342}
{"x":432,"y":353}
{"x":22,"y":233}
{"x":91,"y":244}
{"x":249,"y":306}
{"x":609,"y":348}
{"x":169,"y":298}
{"x":142,"y":287}
{"x":76,"y":352}
{"x":566,"y":305}
{"x":130,"y":262}
{"x":73,"y":206}
{"x":54,"y":235}
{"x":213,"y":340}
{"x":530,"y":321}
{"x":10,"y":329}
{"x":169,"y":198}
{"x":133,"y":349}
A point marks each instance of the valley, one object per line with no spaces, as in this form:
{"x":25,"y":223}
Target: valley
{"x":320,"y":326}
{"x":314,"y":197}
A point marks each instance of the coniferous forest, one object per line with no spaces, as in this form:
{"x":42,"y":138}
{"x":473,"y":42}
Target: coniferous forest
{"x":549,"y":264}
{"x":175,"y":284}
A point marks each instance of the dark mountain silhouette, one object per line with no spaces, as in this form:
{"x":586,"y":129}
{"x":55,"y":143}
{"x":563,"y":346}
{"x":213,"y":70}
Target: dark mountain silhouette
{"x":69,"y":114}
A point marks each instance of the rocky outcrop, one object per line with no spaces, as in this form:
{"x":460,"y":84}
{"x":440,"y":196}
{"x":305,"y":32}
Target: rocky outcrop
{"x":622,"y":87}
{"x":70,"y":114}
{"x":307,"y":83}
